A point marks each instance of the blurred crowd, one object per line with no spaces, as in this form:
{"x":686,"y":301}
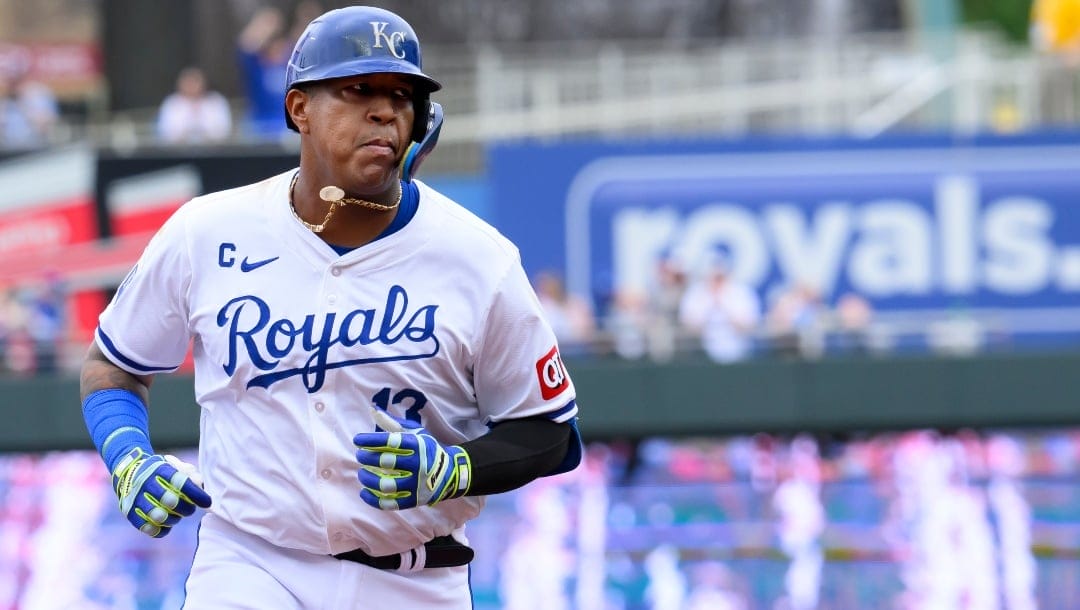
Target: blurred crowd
{"x":40,"y":535}
{"x":29,"y":111}
{"x":708,"y":314}
{"x":709,"y":311}
{"x":195,"y":112}
{"x":957,"y":516}
{"x":32,"y":327}
{"x":911,"y":520}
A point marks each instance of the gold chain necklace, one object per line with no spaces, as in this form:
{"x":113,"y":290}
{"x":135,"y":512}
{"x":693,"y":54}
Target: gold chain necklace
{"x":336,"y":198}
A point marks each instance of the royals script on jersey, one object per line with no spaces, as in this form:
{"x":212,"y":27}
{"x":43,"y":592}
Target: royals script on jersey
{"x":436,"y":323}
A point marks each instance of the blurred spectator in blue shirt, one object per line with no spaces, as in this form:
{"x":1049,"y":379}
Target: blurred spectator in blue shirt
{"x":46,"y":322}
{"x":264,"y":49}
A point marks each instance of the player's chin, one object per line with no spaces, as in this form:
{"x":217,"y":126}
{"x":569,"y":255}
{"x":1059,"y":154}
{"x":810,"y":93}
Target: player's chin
{"x":376,"y":172}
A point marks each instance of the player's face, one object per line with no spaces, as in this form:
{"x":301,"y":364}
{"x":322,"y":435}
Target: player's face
{"x":360,"y":127}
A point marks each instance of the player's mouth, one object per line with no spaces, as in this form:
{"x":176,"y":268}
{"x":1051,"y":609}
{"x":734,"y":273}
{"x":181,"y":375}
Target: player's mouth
{"x":380,"y":147}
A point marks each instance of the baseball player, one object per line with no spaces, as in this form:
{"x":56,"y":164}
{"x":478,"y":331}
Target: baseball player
{"x":370,"y":358}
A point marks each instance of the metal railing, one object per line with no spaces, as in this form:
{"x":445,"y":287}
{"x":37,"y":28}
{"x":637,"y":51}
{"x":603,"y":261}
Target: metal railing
{"x":964,"y":81}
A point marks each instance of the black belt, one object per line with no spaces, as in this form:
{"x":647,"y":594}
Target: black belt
{"x":442,"y":552}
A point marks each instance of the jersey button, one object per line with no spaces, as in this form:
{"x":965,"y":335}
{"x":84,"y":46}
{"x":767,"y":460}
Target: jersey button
{"x":325,"y":473}
{"x":319,"y":407}
{"x":331,"y":299}
{"x":335,"y":271}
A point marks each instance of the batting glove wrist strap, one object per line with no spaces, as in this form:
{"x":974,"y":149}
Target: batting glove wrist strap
{"x":407,"y":467}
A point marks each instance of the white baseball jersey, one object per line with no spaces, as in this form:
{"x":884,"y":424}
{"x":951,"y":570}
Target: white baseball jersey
{"x":292,"y":343}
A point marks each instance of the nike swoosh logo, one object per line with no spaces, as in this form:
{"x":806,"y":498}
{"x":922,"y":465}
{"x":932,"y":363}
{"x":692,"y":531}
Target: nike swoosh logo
{"x":245,"y":266}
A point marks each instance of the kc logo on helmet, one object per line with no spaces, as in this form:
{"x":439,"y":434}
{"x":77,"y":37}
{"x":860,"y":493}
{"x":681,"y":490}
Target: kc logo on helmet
{"x":552,"y":374}
{"x":394,"y":40}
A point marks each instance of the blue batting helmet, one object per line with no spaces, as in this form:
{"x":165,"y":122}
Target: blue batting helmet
{"x":361,"y":40}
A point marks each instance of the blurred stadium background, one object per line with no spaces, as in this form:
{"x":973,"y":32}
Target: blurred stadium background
{"x":815,"y":266}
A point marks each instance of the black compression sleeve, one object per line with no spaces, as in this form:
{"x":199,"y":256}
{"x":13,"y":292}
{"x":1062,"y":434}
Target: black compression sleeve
{"x":515,"y":452}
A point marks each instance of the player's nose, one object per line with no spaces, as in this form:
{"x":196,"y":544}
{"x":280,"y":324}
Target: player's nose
{"x":380,"y":109}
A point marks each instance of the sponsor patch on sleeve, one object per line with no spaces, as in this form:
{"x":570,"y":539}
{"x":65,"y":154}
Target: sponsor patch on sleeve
{"x":552,"y":374}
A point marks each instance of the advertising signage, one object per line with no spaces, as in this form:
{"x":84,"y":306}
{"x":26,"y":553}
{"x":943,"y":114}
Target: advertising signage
{"x":922,"y":225}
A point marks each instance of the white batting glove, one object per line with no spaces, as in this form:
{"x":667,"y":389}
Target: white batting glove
{"x":405,"y":466}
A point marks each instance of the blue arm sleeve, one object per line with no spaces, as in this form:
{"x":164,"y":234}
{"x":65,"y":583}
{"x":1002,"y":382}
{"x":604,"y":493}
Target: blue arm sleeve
{"x":118,"y":422}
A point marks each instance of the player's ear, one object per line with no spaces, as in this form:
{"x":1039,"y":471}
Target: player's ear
{"x":296,"y":104}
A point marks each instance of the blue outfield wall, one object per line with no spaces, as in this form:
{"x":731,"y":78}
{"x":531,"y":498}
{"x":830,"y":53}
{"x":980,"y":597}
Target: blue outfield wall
{"x":472,"y":192}
{"x":919,"y":222}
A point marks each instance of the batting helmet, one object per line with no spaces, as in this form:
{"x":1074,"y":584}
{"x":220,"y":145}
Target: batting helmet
{"x":361,"y":40}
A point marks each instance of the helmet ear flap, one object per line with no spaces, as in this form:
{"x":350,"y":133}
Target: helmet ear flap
{"x":418,"y":150}
{"x":421,"y":116}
